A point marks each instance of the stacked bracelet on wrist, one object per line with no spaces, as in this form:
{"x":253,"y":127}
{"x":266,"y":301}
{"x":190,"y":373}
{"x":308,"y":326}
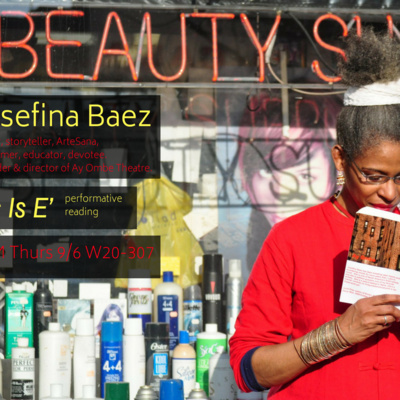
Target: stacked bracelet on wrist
{"x":322,"y":343}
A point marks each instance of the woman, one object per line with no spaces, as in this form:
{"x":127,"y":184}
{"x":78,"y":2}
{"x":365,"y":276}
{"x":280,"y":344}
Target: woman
{"x":293,"y":334}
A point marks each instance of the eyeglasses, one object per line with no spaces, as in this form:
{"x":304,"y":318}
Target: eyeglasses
{"x":377,"y":179}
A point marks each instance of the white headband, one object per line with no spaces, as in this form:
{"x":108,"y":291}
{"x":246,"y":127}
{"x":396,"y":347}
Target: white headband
{"x":375,"y":94}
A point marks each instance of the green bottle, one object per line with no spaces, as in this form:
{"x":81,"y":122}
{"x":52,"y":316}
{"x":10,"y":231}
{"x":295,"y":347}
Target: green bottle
{"x":19,"y":317}
{"x":207,"y":344}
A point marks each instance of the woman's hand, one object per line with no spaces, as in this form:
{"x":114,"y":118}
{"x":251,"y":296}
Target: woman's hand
{"x":368,"y":316}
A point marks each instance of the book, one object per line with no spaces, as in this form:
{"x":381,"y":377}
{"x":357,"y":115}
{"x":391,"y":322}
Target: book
{"x":373,"y":261}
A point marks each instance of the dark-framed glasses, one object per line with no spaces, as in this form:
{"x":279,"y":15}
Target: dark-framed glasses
{"x":376,"y":179}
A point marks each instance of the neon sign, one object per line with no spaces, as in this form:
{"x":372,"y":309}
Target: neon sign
{"x":114,"y":18}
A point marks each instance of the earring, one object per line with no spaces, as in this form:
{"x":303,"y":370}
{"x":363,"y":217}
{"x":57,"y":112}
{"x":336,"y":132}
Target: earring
{"x":340,"y":179}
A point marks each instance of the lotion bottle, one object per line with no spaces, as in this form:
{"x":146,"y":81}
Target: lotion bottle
{"x":54,"y":362}
{"x":84,"y":356}
{"x":168,"y":306}
{"x":134,"y":355}
{"x":23,"y":371}
{"x":184,"y":363}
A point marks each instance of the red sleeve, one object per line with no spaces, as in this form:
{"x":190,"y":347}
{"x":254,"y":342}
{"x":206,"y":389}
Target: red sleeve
{"x":265,"y":317}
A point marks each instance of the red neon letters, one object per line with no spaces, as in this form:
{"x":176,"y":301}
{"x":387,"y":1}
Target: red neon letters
{"x":53,"y":43}
{"x":146,"y":26}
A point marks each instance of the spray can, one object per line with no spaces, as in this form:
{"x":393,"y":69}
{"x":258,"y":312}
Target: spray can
{"x":84,"y":356}
{"x":222,"y":385}
{"x":134,"y":355}
{"x":233,"y":290}
{"x":212,"y":290}
{"x":168,"y":306}
{"x":55,"y":361}
{"x":184,"y":363}
{"x":192,"y":312}
{"x":139,"y":296}
{"x":19,"y":317}
{"x":157,"y":354}
{"x":207,"y":343}
{"x":146,"y":393}
{"x":197,"y":393}
{"x":23,"y":371}
{"x":110,"y":353}
{"x":43,"y":311}
{"x":171,"y":389}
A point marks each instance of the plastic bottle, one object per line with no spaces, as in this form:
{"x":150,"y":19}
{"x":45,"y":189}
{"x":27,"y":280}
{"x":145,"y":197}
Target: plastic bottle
{"x":233,"y":290}
{"x":140,"y":296}
{"x":88,"y":393}
{"x":56,"y":393}
{"x":207,"y":343}
{"x":43,"y":311}
{"x":157,"y":354}
{"x":55,"y":361}
{"x":192,"y":312}
{"x":212,"y":290}
{"x":184,"y":363}
{"x":110,"y":353}
{"x":117,"y":391}
{"x":19,"y":317}
{"x":168,"y":306}
{"x":222,"y":385}
{"x":134,"y":355}
{"x":84,"y":356}
{"x":23,"y":371}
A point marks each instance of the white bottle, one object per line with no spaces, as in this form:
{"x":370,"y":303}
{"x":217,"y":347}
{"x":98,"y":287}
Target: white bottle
{"x":168,"y":306}
{"x":89,"y":393}
{"x":184,"y":363}
{"x":56,"y":391}
{"x":134,"y":356}
{"x":84,"y":356}
{"x":55,"y":361}
{"x":23,"y":370}
{"x":222,"y":385}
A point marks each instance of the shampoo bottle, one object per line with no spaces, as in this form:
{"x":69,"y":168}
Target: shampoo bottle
{"x":19,"y":317}
{"x":23,"y":371}
{"x":84,"y":356}
{"x":207,"y":343}
{"x":43,"y":311}
{"x":184,"y":363}
{"x":134,"y":359}
{"x":54,"y":362}
{"x":168,"y":306}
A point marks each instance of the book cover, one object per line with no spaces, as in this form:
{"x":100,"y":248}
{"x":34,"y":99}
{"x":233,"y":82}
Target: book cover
{"x":373,"y":261}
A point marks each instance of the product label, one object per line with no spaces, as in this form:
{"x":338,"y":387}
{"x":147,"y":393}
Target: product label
{"x":168,"y":312}
{"x":192,"y":317}
{"x":139,"y":301}
{"x":205,"y":349}
{"x":111,"y":363}
{"x":160,"y":364}
{"x":22,"y":389}
{"x":185,"y":369}
{"x":23,"y":365}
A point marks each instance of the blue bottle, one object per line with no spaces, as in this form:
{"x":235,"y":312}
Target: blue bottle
{"x":110,"y":353}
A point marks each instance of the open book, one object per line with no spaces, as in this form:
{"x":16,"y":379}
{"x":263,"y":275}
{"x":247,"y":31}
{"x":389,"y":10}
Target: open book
{"x":373,"y":262}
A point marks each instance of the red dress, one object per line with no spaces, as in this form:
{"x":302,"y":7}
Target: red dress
{"x":294,"y":287}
